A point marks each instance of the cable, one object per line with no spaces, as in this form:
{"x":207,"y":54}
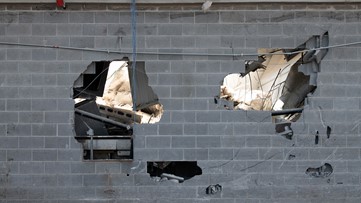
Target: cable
{"x":172,"y":53}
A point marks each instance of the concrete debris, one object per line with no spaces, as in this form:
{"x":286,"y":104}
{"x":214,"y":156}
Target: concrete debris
{"x":320,"y":172}
{"x":213,"y":189}
{"x":284,"y":129}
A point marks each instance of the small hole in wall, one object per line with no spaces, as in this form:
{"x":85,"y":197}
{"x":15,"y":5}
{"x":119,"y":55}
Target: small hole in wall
{"x":110,"y":98}
{"x":176,"y":171}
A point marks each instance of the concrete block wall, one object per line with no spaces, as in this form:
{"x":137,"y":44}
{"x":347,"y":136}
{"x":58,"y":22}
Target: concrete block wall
{"x":40,"y":161}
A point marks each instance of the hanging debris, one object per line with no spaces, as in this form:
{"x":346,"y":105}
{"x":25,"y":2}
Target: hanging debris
{"x":176,"y":171}
{"x":109,"y":100}
{"x":278,"y":81}
{"x":316,"y":137}
{"x":320,"y":172}
{"x":328,"y":132}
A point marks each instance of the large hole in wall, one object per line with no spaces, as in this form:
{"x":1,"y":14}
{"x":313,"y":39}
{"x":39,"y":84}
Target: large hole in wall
{"x":176,"y":171}
{"x":279,"y":81}
{"x":109,"y":99}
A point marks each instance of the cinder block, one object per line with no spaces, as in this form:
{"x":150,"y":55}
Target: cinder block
{"x":194,"y":29}
{"x":208,"y":141}
{"x":170,"y":154}
{"x":9,"y":17}
{"x":85,"y":167}
{"x":208,"y":41}
{"x":82,"y":42}
{"x":56,"y":17}
{"x":157,"y":41}
{"x":232,"y":17}
{"x":220,"y":154}
{"x":31,"y":167}
{"x":70,"y":154}
{"x":169,"y":29}
{"x":194,"y":79}
{"x":210,"y":116}
{"x":18,"y":29}
{"x":44,"y":155}
{"x":183,"y":91}
{"x":18,"y":54}
{"x":43,"y":104}
{"x":43,"y":29}
{"x":170,"y":129}
{"x":16,"y":129}
{"x":207,"y":91}
{"x":119,"y":30}
{"x":145,"y":154}
{"x":158,"y":142}
{"x":31,"y":17}
{"x":258,"y":141}
{"x":195,"y":154}
{"x":81,"y":17}
{"x":170,"y":79}
{"x":220,"y":129}
{"x":232,"y":141}
{"x":9,"y":117}
{"x":182,"y":17}
{"x":57,"y":142}
{"x":43,"y":129}
{"x":68,"y":29}
{"x":195,"y":129}
{"x":145,"y":129}
{"x":18,"y":105}
{"x":157,"y":17}
{"x":107,"y":17}
{"x":209,"y":17}
{"x":57,"y":167}
{"x":31,"y":142}
{"x":40,"y":54}
{"x":184,"y":142}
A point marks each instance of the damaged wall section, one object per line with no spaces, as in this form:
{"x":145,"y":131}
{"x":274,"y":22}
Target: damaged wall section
{"x":279,"y":81}
{"x":109,"y":99}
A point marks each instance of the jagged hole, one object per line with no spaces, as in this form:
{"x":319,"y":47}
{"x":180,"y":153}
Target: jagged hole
{"x":177,"y":171}
{"x":109,"y":99}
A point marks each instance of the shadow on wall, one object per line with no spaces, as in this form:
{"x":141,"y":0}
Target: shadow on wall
{"x":109,"y":98}
{"x":279,"y":81}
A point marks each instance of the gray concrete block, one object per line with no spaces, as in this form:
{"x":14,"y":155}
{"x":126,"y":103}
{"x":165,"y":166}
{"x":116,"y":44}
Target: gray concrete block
{"x":157,"y":17}
{"x":169,"y":29}
{"x":182,"y":17}
{"x":220,"y":154}
{"x":9,"y":67}
{"x":183,"y":42}
{"x":195,"y":104}
{"x":43,"y":129}
{"x":125,"y":17}
{"x":170,"y":129}
{"x":95,"y":29}
{"x":194,"y":29}
{"x":9,"y":17}
{"x":70,"y":155}
{"x":208,"y":141}
{"x":195,"y":129}
{"x":57,"y":142}
{"x":44,"y":155}
{"x":31,"y":17}
{"x":157,"y":42}
{"x":85,"y":167}
{"x":82,"y":42}
{"x":18,"y":105}
{"x":194,"y":79}
{"x":210,"y":116}
{"x":183,"y":91}
{"x":31,"y":167}
{"x":56,"y":17}
{"x":9,"y":142}
{"x":31,"y":142}
{"x":147,"y":29}
{"x":57,"y":167}
{"x":145,"y":154}
{"x":18,"y":29}
{"x":43,"y":104}
{"x":9,"y":92}
{"x":31,"y":117}
{"x":68,"y":29}
{"x":170,"y":79}
{"x":232,"y":17}
{"x":207,"y":41}
{"x":17,"y":80}
{"x":66,"y":79}
{"x":9,"y":117}
{"x":195,"y":154}
{"x":209,"y":17}
{"x":81,"y":17}
{"x":170,"y":154}
{"x":106,"y":17}
{"x":40,"y":54}
{"x":145,"y":129}
{"x":184,"y":142}
{"x":18,"y":54}
{"x":258,"y":141}
{"x":158,"y":142}
{"x":117,"y":29}
{"x":43,"y":29}
{"x":220,"y":129}
{"x":207,"y":91}
{"x":182,"y":117}
{"x":31,"y":67}
{"x":172,"y":104}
